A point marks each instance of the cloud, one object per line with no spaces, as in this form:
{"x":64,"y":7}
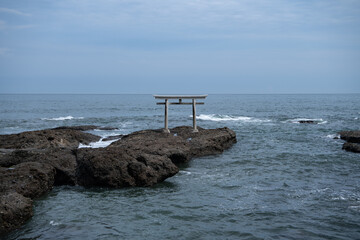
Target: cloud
{"x":14,"y":11}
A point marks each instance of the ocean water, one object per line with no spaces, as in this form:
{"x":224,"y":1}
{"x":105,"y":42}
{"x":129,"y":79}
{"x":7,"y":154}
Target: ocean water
{"x":282,"y":180}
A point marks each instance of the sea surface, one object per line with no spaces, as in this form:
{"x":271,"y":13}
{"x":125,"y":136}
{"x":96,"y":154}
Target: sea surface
{"x":282,"y":180}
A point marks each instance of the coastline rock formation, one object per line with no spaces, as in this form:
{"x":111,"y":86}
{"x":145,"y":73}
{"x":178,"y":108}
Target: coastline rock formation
{"x":31,"y":163}
{"x":352,"y":139}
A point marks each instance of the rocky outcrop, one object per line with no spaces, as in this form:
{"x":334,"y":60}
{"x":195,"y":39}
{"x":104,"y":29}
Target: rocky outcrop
{"x":18,"y":185}
{"x":32,"y":162}
{"x":352,"y":139}
{"x":351,"y":147}
{"x":350,"y":136}
{"x":116,"y":167}
{"x":147,"y":157}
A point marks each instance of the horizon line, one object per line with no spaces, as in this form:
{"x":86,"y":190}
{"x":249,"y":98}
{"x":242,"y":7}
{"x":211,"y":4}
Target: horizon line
{"x":300,"y":93}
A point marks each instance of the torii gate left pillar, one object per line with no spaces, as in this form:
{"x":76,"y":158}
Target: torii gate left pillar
{"x":180,"y":102}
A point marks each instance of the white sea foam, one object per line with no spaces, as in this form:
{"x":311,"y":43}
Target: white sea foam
{"x":333,"y":136}
{"x":298,"y":120}
{"x":53,"y":223}
{"x":355,"y":208}
{"x":99,"y":144}
{"x":184,"y":172}
{"x":219,"y":118}
{"x":61,"y":118}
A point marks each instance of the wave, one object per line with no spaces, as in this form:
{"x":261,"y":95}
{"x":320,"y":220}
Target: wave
{"x":306,"y":120}
{"x":219,"y":118}
{"x":333,"y":136}
{"x":62,"y":118}
{"x":98,"y":144}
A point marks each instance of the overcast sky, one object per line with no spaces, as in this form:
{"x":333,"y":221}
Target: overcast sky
{"x":180,"y":46}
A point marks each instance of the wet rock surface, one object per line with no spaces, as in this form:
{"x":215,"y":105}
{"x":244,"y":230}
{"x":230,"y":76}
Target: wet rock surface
{"x":30,"y":179}
{"x":15,"y":210}
{"x":32,"y":162}
{"x":44,"y":139}
{"x":352,"y":139}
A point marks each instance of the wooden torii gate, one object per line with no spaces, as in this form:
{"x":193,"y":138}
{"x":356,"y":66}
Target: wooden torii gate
{"x":180,"y":102}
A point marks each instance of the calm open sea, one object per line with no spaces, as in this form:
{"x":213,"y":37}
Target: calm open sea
{"x":282,"y":180}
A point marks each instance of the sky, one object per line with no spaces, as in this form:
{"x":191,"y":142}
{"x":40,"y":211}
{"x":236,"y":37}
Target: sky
{"x":180,"y":46}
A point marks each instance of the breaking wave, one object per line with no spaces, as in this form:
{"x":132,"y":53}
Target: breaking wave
{"x":98,"y":144}
{"x":306,"y":120}
{"x":219,"y":118}
{"x":333,"y":136}
{"x":62,"y":118}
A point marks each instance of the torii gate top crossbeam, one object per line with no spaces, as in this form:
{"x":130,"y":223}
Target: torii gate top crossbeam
{"x":180,"y":96}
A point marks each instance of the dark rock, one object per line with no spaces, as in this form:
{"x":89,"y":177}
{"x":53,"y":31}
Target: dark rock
{"x":15,"y":210}
{"x":62,"y":159}
{"x":353,"y":140}
{"x":206,"y":141}
{"x":43,"y":139}
{"x":154,"y":142}
{"x":308,"y":121}
{"x":30,"y":179}
{"x":351,"y":147}
{"x":350,"y":136}
{"x":107,"y":128}
{"x":78,"y":128}
{"x":110,"y":138}
{"x":118,"y":167}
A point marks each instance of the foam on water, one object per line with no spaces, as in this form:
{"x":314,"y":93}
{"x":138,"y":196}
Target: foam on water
{"x":298,"y":120}
{"x":53,"y":223}
{"x":219,"y":118}
{"x":98,"y":144}
{"x":61,"y":118}
{"x":333,"y":136}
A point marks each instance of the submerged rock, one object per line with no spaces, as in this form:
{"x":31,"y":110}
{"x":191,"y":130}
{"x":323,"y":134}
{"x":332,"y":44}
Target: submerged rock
{"x":352,"y":139}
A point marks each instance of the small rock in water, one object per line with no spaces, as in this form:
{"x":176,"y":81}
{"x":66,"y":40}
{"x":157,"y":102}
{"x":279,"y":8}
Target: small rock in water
{"x":308,"y":121}
{"x":352,"y":139}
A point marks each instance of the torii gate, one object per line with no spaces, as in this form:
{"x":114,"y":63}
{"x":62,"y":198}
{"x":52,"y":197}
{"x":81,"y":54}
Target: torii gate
{"x":180,"y":102}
